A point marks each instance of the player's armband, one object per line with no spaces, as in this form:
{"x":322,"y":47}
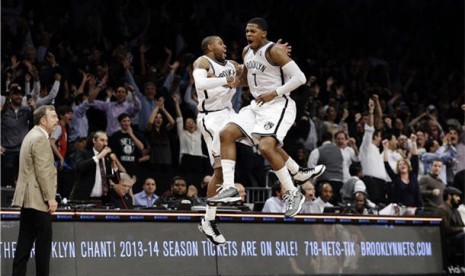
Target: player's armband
{"x":203,"y":82}
{"x":297,"y":78}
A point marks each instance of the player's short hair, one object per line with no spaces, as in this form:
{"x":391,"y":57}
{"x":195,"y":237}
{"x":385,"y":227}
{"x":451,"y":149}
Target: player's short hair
{"x":260,"y":22}
{"x":207,"y":41}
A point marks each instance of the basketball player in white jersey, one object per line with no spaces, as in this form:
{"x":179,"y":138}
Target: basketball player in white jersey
{"x":215,"y":84}
{"x":271,"y":75}
{"x":215,"y":80}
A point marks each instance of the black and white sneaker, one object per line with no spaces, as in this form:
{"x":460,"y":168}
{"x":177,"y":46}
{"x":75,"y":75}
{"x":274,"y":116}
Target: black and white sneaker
{"x":305,"y":174}
{"x":225,"y":196}
{"x":209,"y":229}
{"x":294,"y":200}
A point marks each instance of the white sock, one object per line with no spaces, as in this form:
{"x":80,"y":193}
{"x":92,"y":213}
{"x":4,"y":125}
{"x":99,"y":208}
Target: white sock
{"x":285,"y":179}
{"x":228,"y":172}
{"x":210,"y":212}
{"x":292,"y":166}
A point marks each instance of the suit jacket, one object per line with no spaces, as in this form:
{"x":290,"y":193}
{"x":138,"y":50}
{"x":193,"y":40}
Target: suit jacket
{"x":85,"y":175}
{"x":37,"y":178}
{"x":451,"y":220}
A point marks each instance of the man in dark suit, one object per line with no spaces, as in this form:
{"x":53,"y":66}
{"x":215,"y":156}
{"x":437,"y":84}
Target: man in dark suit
{"x":454,"y":227}
{"x":121,"y":196}
{"x":35,"y":193}
{"x":92,"y":170}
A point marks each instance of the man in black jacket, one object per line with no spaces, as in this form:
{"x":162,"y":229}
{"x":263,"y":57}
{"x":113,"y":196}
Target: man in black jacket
{"x":93,"y":170}
{"x":177,"y":197}
{"x":454,"y":227}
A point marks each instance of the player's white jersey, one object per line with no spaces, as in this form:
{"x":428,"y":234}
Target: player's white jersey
{"x":261,"y":74}
{"x":220,"y":97}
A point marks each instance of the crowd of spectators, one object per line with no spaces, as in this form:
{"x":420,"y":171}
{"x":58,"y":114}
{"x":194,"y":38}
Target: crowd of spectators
{"x":383,"y":106}
{"x":107,"y":61}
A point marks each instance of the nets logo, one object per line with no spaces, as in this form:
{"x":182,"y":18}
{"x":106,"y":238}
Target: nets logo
{"x":268,"y":125}
{"x":128,"y":145}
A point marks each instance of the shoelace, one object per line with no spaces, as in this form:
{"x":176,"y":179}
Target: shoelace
{"x":214,"y":228}
{"x":300,"y":170}
{"x":308,"y":170}
{"x":304,"y":170}
{"x":289,"y":199}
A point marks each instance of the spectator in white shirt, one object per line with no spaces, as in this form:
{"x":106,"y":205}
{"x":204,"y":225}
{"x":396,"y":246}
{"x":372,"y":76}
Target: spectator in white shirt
{"x":190,"y":142}
{"x":393,"y":155}
{"x":372,"y":160}
{"x":275,"y":204}
{"x":325,"y":193}
{"x":349,"y":152}
{"x":309,"y":192}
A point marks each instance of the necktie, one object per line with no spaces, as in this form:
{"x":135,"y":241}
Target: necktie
{"x":104,"y":178}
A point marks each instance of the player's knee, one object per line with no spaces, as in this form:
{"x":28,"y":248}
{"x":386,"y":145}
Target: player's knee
{"x":266,"y":148}
{"x":229,"y":134}
{"x":224,"y":136}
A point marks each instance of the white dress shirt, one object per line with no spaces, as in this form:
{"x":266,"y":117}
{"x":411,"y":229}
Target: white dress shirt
{"x":274,"y":205}
{"x":348,"y":156}
{"x":97,"y":189}
{"x":371,"y":159}
{"x":321,"y":204}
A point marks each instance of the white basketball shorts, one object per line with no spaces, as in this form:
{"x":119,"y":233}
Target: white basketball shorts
{"x":273,"y":118}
